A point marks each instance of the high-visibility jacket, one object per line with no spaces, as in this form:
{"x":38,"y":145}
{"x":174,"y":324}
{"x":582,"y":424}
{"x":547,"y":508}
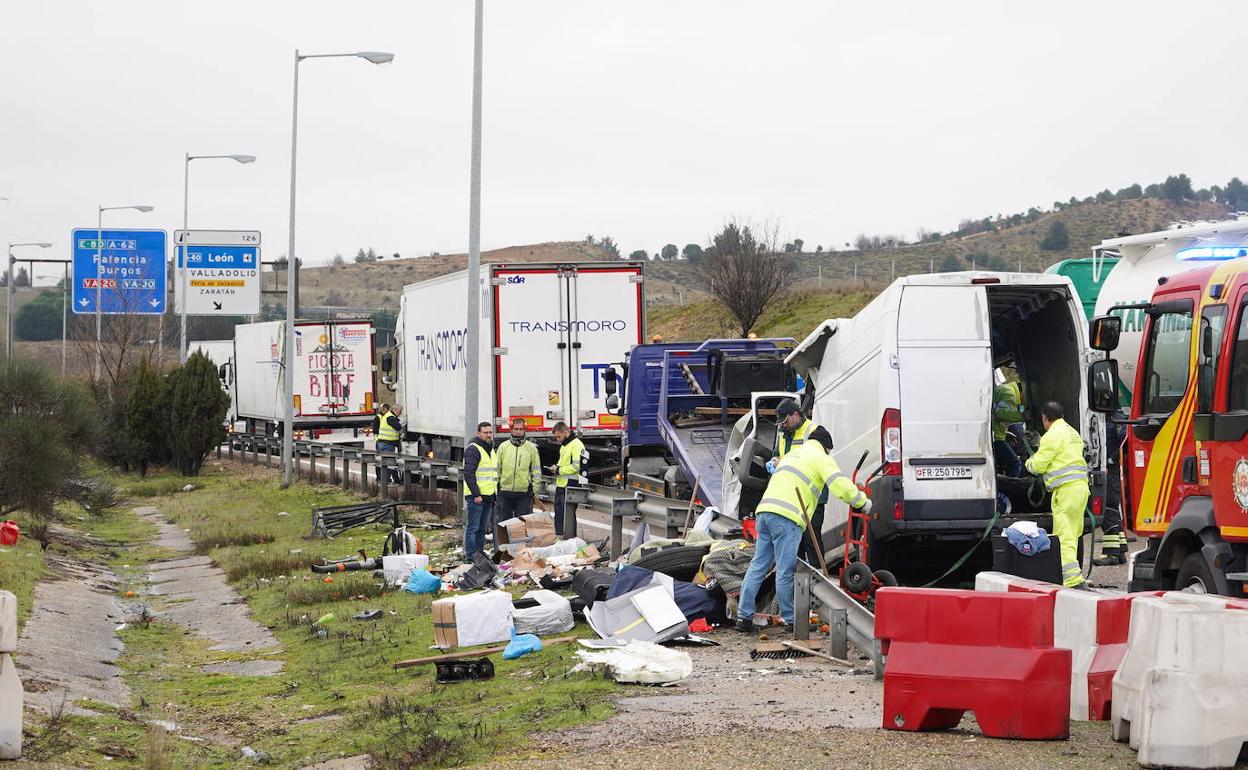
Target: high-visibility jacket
{"x":1059,"y":457}
{"x":1007,"y":408}
{"x":785,"y":444}
{"x":799,"y":481}
{"x":486,"y":472}
{"x":520,"y":467}
{"x":572,"y":457}
{"x":386,"y":431}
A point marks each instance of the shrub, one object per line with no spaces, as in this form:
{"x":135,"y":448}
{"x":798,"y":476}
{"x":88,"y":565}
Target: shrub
{"x":144,"y":426}
{"x":197,"y":408}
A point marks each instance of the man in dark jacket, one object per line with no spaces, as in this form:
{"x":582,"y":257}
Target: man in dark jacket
{"x":480,"y":485}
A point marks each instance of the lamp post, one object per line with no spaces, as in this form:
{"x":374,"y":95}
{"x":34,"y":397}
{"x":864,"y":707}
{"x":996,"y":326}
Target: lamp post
{"x":288,"y":356}
{"x":186,"y":193}
{"x":8,"y":298}
{"x":472,"y":374}
{"x":99,"y":278}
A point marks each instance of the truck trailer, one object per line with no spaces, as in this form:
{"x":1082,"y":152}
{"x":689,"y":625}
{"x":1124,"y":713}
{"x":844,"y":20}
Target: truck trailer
{"x":333,"y":378}
{"x":909,"y":381}
{"x":548,"y":331}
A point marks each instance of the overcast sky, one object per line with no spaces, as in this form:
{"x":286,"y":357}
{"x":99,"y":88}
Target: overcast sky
{"x":647,"y":120}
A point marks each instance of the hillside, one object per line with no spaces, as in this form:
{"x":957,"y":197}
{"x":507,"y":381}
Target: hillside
{"x":794,"y":315}
{"x":379,"y":284}
{"x":1019,"y":246}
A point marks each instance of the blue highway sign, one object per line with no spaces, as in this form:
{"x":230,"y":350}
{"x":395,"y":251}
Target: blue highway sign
{"x":130,"y":274}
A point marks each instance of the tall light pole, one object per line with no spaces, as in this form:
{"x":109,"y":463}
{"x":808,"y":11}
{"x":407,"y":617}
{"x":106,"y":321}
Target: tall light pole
{"x":8,"y":298}
{"x":99,"y":278}
{"x":472,"y":375}
{"x":186,"y":194}
{"x":288,"y":356}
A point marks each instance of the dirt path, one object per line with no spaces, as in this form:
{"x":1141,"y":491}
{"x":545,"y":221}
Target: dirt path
{"x":68,"y":649}
{"x":192,"y":591}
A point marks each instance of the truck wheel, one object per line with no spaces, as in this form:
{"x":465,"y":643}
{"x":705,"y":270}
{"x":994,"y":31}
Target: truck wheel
{"x":1195,"y":577}
{"x":680,"y":562}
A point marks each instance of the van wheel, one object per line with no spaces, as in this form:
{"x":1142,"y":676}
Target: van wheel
{"x":1195,"y":577}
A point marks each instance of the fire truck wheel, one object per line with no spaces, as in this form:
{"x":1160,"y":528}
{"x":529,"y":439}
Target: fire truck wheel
{"x":1195,"y":576}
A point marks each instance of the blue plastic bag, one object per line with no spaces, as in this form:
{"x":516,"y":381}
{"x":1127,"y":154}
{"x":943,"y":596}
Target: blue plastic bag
{"x":521,"y":644}
{"x":421,"y":582}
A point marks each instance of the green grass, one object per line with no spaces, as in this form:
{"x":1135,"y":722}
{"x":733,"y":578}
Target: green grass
{"x":343,"y":669}
{"x":21,"y":566}
{"x":795,"y":315}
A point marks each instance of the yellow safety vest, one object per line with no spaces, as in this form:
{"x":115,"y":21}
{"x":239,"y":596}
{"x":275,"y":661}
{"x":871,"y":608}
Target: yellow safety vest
{"x":385,"y":431}
{"x":1059,"y":458}
{"x":487,"y":473}
{"x":799,"y":438}
{"x":1007,"y":408}
{"x":796,"y":485}
{"x":569,"y":462}
{"x":521,"y":467}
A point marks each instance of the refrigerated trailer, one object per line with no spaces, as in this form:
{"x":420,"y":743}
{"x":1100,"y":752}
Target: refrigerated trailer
{"x":548,"y":332}
{"x":333,"y":377}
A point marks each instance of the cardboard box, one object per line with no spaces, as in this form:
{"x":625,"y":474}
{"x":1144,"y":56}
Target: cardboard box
{"x":542,"y":521}
{"x":472,"y":619}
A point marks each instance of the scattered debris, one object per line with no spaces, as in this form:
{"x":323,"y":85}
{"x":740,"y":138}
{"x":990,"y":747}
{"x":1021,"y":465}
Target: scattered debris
{"x":639,"y":662}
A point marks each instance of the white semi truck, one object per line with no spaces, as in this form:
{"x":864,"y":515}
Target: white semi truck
{"x":548,"y":331}
{"x":1146,"y":259}
{"x":333,"y":378}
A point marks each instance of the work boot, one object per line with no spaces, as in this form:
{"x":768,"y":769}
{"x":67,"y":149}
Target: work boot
{"x":1110,"y":559}
{"x":1082,"y":587}
{"x":745,"y":625}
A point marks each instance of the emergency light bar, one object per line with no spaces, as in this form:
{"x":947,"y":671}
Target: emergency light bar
{"x":1211,"y":253}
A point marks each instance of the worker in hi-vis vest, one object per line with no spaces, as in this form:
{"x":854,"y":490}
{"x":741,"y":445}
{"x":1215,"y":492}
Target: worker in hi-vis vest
{"x":783,"y":515}
{"x":568,"y":472}
{"x":795,"y":430}
{"x":388,"y":428}
{"x":1059,"y":462}
{"x":480,"y":477}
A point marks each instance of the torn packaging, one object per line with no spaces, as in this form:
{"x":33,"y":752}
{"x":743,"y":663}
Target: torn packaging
{"x":542,"y":613}
{"x":648,"y":614}
{"x":694,"y":600}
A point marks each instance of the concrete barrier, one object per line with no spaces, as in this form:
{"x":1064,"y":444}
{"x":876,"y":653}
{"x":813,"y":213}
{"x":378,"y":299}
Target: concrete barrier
{"x":12,"y":696}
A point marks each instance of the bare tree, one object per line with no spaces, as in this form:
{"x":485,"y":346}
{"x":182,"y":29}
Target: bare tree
{"x":744,"y":269}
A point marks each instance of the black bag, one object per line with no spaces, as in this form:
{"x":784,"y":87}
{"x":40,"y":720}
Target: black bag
{"x":591,"y":585}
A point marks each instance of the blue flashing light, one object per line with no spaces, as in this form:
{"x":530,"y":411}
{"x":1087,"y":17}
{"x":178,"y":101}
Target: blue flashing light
{"x":1211,"y":253}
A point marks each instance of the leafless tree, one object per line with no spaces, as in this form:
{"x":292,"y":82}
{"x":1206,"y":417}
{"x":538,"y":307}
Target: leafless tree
{"x":744,"y":269}
{"x":125,"y":337}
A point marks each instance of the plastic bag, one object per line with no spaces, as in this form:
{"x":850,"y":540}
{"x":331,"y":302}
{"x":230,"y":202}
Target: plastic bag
{"x":421,"y":582}
{"x":521,"y":644}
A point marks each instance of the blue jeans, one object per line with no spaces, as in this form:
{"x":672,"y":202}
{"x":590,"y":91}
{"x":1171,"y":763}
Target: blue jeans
{"x":391,"y":473}
{"x":1007,"y":459}
{"x":477,"y":518}
{"x":778,"y":539}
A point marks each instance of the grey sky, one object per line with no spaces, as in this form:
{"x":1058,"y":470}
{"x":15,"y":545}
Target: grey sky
{"x":647,"y":120}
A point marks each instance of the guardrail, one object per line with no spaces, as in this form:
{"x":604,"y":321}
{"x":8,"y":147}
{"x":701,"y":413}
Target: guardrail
{"x":663,"y":516}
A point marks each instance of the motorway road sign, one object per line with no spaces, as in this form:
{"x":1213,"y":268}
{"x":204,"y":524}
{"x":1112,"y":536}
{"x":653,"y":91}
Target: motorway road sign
{"x":131,"y":278}
{"x":216,"y":237}
{"x":220,"y":280}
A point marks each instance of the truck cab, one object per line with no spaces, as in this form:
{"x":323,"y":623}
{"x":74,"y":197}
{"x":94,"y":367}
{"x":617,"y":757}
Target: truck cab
{"x":1185,"y":459}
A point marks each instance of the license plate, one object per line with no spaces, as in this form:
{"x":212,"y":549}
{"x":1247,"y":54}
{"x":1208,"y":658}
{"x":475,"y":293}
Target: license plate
{"x":942,"y":472}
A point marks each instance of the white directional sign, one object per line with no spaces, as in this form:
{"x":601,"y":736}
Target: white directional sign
{"x":221,"y":278}
{"x":216,"y":237}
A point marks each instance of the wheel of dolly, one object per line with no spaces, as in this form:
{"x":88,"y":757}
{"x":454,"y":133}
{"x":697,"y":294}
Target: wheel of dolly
{"x":886,"y":578}
{"x":857,"y":577}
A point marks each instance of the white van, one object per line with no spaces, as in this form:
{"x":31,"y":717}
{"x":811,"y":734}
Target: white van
{"x":909,"y":381}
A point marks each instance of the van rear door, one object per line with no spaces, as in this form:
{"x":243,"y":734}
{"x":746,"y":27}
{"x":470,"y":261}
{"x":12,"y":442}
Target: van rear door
{"x":944,"y":353}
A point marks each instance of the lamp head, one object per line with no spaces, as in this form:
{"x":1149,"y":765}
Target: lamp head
{"x":244,"y":158}
{"x":376,"y":57}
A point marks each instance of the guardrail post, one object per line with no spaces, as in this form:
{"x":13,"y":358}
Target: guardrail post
{"x":268,"y":453}
{"x":255,"y":450}
{"x":801,"y":603}
{"x":620,"y":508}
{"x":333,"y":466}
{"x":838,"y":633}
{"x":407,"y":480}
{"x":383,"y":477}
{"x":346,"y":470}
{"x":231,"y":440}
{"x":675,"y":520}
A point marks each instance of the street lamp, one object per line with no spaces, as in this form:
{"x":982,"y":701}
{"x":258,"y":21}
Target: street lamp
{"x":8,"y":297}
{"x":186,"y":191}
{"x":288,"y":357}
{"x":99,"y":279}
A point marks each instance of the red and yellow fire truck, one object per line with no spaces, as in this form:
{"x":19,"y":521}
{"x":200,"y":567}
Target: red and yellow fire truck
{"x":1185,"y":459}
